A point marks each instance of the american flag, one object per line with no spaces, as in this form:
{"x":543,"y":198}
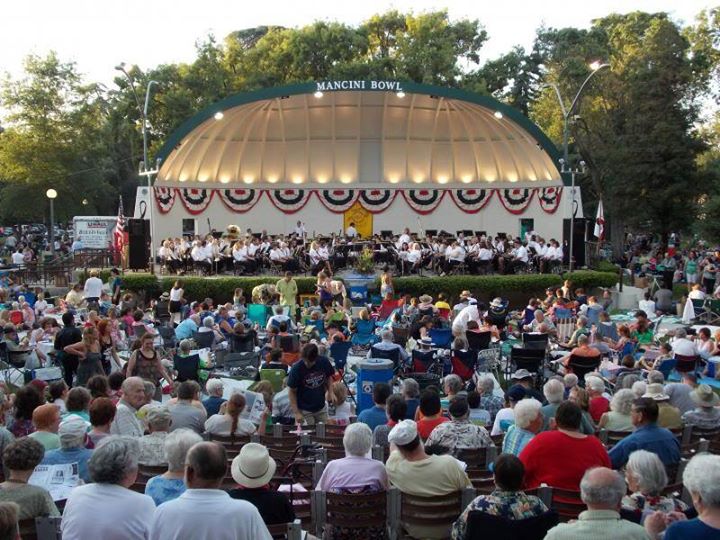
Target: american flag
{"x":119,"y":232}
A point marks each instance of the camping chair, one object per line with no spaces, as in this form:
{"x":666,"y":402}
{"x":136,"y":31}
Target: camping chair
{"x":424,"y":362}
{"x":258,"y":313}
{"x":481,"y":525}
{"x":274,"y":376}
{"x":401,"y":334}
{"x":204,"y":340}
{"x":524,"y":358}
{"x":364,"y":334}
{"x":535,"y":341}
{"x":478,"y":341}
{"x":666,"y":367}
{"x":187,"y":368}
{"x":463,"y":363}
{"x":12,"y":366}
{"x":685,"y":364}
{"x":393,"y":354}
{"x":582,"y":365}
{"x":565,"y":327}
{"x":441,"y":337}
{"x":339,"y":352}
{"x":290,"y":346}
{"x":498,"y":315}
{"x":167,"y":334}
{"x":242,"y":365}
{"x":316,"y":326}
{"x":241,"y":343}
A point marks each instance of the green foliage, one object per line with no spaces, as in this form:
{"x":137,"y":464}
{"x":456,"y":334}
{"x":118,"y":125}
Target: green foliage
{"x":588,"y":279}
{"x":486,"y":286}
{"x":365,"y":262}
{"x":605,"y":266}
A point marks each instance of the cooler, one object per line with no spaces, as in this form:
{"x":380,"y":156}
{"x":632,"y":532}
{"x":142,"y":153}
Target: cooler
{"x":371,"y":371}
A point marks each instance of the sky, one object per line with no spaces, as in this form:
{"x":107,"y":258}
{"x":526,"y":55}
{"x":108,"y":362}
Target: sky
{"x":99,"y":34}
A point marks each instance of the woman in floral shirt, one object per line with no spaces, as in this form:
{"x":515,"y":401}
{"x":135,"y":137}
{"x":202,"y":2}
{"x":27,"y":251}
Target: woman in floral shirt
{"x":646,"y":477}
{"x":507,"y":501}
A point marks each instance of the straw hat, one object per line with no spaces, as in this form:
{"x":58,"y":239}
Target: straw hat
{"x":703,"y":396}
{"x":425,"y":299}
{"x":656,"y":391}
{"x":253,"y":467}
{"x":497,"y":302}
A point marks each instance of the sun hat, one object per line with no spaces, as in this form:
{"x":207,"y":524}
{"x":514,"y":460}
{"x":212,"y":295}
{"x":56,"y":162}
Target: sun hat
{"x":656,"y":391}
{"x":425,"y":299}
{"x":165,"y":296}
{"x":521,"y":374}
{"x":403,"y":433}
{"x":426,"y":341}
{"x":253,"y":467}
{"x":497,"y":302}
{"x":465,"y":294}
{"x":703,"y":396}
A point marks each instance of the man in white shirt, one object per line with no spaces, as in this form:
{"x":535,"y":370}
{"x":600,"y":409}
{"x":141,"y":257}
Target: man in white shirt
{"x":126,"y":421}
{"x":93,"y":287}
{"x":278,"y":318}
{"x":107,"y":508}
{"x":404,"y":238}
{"x":467,"y":314}
{"x":204,"y":511}
{"x":351,"y":231}
{"x":300,"y":231}
{"x":18,"y":259}
{"x":683,"y":346}
{"x":77,"y":245}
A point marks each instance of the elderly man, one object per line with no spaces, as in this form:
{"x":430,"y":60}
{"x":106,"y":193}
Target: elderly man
{"x":529,"y":421}
{"x":459,"y":434}
{"x":524,"y":379}
{"x":376,"y":416}
{"x":679,"y":393}
{"x":215,"y":390}
{"x":668,"y":416}
{"x":152,"y":445}
{"x":278,"y":318}
{"x":599,"y":404}
{"x":106,"y":508}
{"x":72,"y":447}
{"x":223,"y":518}
{"x":647,"y":436}
{"x":683,"y":346}
{"x":554,"y":392}
{"x":413,"y":472}
{"x":541,"y":323}
{"x":702,"y":480}
{"x":467,"y":314}
{"x":188,"y":327}
{"x":184,"y":413}
{"x":388,"y":345}
{"x":705,"y":416}
{"x":602,"y":490}
{"x":488,"y":400}
{"x":583,"y":349}
{"x":126,"y":421}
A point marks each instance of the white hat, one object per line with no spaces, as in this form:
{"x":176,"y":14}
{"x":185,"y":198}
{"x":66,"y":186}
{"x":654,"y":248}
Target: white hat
{"x":73,"y":429}
{"x":497,"y":302}
{"x":253,"y":467}
{"x":521,"y":374}
{"x":403,"y":433}
{"x":426,"y":341}
{"x":656,"y":391}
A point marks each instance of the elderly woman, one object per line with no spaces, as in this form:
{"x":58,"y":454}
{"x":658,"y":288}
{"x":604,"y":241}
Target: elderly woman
{"x":618,"y":417}
{"x":215,"y":399}
{"x":113,"y":469}
{"x":580,"y":397}
{"x":702,"y":480}
{"x":72,"y":447}
{"x":171,"y":485}
{"x":706,"y":415}
{"x":46,"y":419}
{"x":20,"y":458}
{"x":646,"y":478}
{"x":507,"y":500}
{"x":355,"y":473}
{"x":152,"y":446}
{"x":410,"y":390}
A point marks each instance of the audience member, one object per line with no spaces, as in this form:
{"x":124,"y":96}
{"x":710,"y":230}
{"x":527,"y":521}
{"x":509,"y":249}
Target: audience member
{"x":618,"y":418}
{"x":430,"y":411}
{"x":152,"y":445}
{"x":459,"y":434}
{"x":72,"y":447}
{"x":599,"y":404}
{"x":396,"y":410}
{"x":411,"y":392}
{"x":646,"y":479}
{"x":706,"y":414}
{"x":488,"y":400}
{"x":46,"y":419}
{"x":102,"y":414}
{"x":171,"y":484}
{"x":309,"y":380}
{"x":528,"y":422}
{"x":183,"y":413}
{"x":229,"y":422}
{"x":126,"y":421}
{"x":215,"y":389}
{"x":668,"y":416}
{"x":376,"y":415}
{"x":554,"y":392}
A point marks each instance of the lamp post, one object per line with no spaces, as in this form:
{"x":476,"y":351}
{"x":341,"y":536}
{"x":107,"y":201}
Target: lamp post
{"x":565,"y":165}
{"x":144,"y":171}
{"x":52,"y":194}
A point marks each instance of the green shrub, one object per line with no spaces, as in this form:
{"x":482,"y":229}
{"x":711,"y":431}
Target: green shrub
{"x":487,"y":286}
{"x":605,"y":266}
{"x":587,"y":279}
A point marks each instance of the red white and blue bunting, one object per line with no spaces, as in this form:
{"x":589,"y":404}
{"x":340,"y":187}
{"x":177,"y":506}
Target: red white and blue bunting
{"x":471,"y":201}
{"x":377,"y":200}
{"x":239,"y":200}
{"x":423,"y":201}
{"x":289,"y":201}
{"x":549,"y":198}
{"x":165,"y":198}
{"x":196,"y":200}
{"x":515,"y":200}
{"x":338,"y":200}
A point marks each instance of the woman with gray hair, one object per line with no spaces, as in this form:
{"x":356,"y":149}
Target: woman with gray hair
{"x":646,"y":478}
{"x":618,"y":417}
{"x":171,"y":485}
{"x":702,"y":480}
{"x":152,"y":445}
{"x":411,"y":392}
{"x":113,"y":469}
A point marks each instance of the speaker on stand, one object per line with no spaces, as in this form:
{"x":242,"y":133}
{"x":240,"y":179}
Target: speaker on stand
{"x":139,"y":239}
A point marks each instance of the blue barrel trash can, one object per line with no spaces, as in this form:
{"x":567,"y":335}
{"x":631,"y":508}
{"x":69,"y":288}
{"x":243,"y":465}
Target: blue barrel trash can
{"x":371,"y":371}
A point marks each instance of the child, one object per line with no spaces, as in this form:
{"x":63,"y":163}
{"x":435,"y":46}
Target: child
{"x":340,"y":409}
{"x":478,"y":416}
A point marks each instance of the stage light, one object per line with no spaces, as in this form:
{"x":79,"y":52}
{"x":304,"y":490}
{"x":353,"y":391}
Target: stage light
{"x":400,"y":94}
{"x":498,"y":115}
{"x":318,"y":94}
{"x":219,"y":115}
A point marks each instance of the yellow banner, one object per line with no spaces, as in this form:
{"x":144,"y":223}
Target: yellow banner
{"x":362,"y":219}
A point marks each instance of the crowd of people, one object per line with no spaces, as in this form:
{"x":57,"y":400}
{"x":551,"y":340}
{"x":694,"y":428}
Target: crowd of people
{"x":125,"y":402}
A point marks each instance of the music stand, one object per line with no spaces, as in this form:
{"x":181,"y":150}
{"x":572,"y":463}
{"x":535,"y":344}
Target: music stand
{"x":431,"y":232}
{"x":386,"y":234}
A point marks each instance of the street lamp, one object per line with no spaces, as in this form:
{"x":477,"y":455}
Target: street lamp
{"x":565,"y":165}
{"x":144,"y":171}
{"x":52,"y":195}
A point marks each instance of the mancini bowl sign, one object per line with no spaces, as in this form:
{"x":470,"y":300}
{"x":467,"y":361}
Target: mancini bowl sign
{"x":329,"y":86}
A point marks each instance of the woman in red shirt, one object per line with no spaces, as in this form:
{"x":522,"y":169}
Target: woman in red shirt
{"x":559,"y":458}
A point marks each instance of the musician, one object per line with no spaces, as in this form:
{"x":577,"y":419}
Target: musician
{"x":517,"y":258}
{"x":324,"y":254}
{"x":337,"y":251}
{"x":351,"y":231}
{"x":404,"y":238}
{"x":200,"y":256}
{"x":279,"y":256}
{"x":553,"y":256}
{"x":300,"y":231}
{"x":414,"y":257}
{"x":454,"y":257}
{"x":168,"y":256}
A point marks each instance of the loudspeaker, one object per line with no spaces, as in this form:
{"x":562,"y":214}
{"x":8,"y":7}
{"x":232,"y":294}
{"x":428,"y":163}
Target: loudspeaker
{"x":139,"y":238}
{"x":578,"y":242}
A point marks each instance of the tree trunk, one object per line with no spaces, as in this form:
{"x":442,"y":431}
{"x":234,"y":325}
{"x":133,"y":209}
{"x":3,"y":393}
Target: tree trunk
{"x":617,"y":234}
